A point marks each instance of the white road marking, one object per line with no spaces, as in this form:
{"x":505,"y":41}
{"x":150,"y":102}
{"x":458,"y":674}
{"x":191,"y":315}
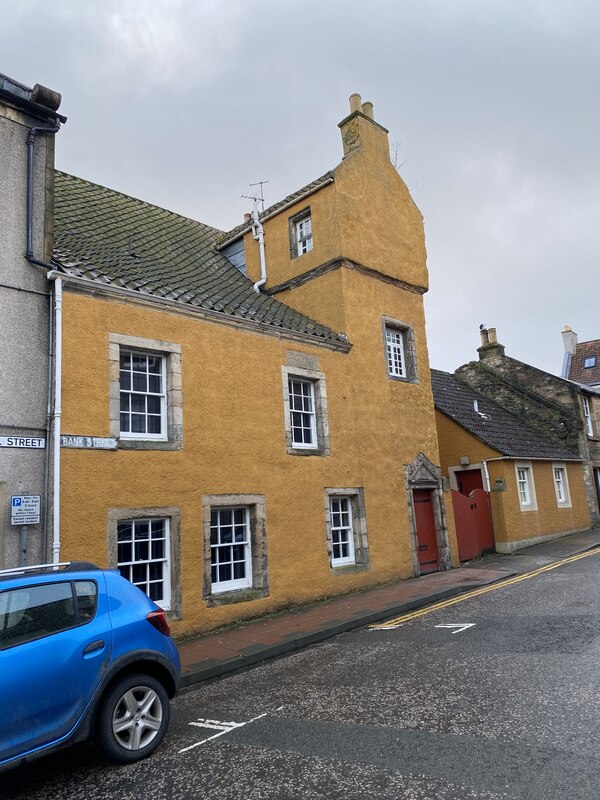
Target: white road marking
{"x":222,"y":727}
{"x":460,"y":626}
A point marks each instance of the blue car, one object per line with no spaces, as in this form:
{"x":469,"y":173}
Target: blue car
{"x":83,"y":653}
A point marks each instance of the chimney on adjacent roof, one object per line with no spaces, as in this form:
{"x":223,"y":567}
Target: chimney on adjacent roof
{"x":490,"y":347}
{"x":359,"y":129}
{"x":569,"y":339}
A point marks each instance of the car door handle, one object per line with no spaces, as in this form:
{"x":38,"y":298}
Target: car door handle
{"x":97,"y":645}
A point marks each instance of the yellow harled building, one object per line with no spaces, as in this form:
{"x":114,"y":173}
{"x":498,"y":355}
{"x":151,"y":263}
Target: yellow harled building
{"x":247,"y":416}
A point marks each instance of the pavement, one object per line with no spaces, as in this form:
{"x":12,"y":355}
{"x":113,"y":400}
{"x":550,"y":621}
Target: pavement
{"x":231,"y":649}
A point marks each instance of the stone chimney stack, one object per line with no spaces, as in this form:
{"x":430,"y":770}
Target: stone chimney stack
{"x":490,"y":347}
{"x":569,"y":339}
{"x":359,"y":129}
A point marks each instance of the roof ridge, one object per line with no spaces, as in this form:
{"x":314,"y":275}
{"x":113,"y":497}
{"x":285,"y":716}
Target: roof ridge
{"x":139,"y":200}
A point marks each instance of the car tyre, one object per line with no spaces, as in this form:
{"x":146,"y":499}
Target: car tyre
{"x":133,"y":718}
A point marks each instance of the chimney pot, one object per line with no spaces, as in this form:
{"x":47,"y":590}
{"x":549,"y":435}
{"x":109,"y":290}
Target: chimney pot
{"x":46,"y":97}
{"x":569,"y":339}
{"x":247,"y":217}
{"x":355,"y":101}
{"x":492,"y":335}
{"x":367,"y":109}
{"x":483,"y":332}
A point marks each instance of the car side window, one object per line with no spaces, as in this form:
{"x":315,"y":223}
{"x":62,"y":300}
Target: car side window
{"x":87,"y":599}
{"x":32,"y":612}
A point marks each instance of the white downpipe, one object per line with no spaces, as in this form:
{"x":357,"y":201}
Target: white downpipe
{"x":258,"y":235}
{"x":486,"y":476}
{"x":56,"y":414}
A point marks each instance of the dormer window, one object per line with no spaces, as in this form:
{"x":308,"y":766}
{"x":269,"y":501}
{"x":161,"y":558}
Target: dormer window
{"x":301,"y":235}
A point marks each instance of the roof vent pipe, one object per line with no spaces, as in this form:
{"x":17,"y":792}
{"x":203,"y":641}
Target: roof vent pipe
{"x":258,"y":235}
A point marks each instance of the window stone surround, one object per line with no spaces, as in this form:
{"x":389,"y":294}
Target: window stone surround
{"x":292,"y":224}
{"x":532,"y":505}
{"x":259,"y":555}
{"x":301,"y":365}
{"x":173,"y":514}
{"x":359,"y":530}
{"x":410,"y":351}
{"x":174,"y":400}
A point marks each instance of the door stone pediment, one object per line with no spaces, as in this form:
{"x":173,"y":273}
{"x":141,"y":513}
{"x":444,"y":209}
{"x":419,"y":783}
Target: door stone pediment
{"x":422,"y":472}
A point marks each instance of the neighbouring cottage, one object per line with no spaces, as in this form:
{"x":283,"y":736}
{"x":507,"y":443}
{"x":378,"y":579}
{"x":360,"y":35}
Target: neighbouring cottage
{"x":247,"y":419}
{"x":546,"y":425}
{"x":511,"y":485}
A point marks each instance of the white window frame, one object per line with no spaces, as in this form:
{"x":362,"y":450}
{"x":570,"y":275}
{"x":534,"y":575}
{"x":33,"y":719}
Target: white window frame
{"x":342,"y":535}
{"x":589,"y":361}
{"x":233,"y":584}
{"x":304,"y":235}
{"x":587,"y":414}
{"x":127,"y":566}
{"x":400,"y":351}
{"x":301,"y":233}
{"x":561,"y":485}
{"x":525,"y":486}
{"x":357,"y":558}
{"x":131,"y":392}
{"x":171,"y":436}
{"x":395,"y":352}
{"x":317,"y":415}
{"x":308,"y":413}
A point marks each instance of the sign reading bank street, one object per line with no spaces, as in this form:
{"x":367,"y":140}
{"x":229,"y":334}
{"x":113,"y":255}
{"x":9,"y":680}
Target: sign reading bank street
{"x":22,"y":441}
{"x":89,"y":442}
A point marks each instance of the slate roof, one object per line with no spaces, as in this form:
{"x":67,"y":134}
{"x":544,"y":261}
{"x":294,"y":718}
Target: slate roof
{"x":311,"y":187}
{"x":111,"y":238}
{"x":492,"y":425}
{"x":577,"y":371}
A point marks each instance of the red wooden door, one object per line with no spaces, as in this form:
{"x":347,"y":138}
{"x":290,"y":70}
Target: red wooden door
{"x":468,"y":479}
{"x":426,"y":534}
{"x":474,"y":529}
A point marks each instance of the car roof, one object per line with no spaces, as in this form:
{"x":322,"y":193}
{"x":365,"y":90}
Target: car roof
{"x":63,"y":569}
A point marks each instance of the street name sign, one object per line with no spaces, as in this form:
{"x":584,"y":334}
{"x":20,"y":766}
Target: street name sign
{"x":22,"y":441}
{"x":89,"y":442}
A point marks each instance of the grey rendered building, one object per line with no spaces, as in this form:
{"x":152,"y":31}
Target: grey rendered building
{"x":28,"y":122}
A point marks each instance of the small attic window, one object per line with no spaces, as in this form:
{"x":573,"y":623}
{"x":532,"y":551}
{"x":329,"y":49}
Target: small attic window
{"x":588,"y":362}
{"x":301,"y":235}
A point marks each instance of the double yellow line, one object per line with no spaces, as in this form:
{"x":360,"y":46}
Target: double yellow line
{"x":394,"y":623}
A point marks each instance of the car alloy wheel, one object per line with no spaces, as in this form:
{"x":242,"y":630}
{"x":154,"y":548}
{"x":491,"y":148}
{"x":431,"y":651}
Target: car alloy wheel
{"x":137,"y":718}
{"x":133,"y":718}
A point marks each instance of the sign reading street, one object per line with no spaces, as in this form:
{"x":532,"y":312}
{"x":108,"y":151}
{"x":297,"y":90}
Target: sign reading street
{"x":22,"y":441}
{"x":25,"y":509}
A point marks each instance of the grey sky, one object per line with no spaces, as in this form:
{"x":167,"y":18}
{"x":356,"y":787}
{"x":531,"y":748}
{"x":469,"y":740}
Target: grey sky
{"x":493,"y":103}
